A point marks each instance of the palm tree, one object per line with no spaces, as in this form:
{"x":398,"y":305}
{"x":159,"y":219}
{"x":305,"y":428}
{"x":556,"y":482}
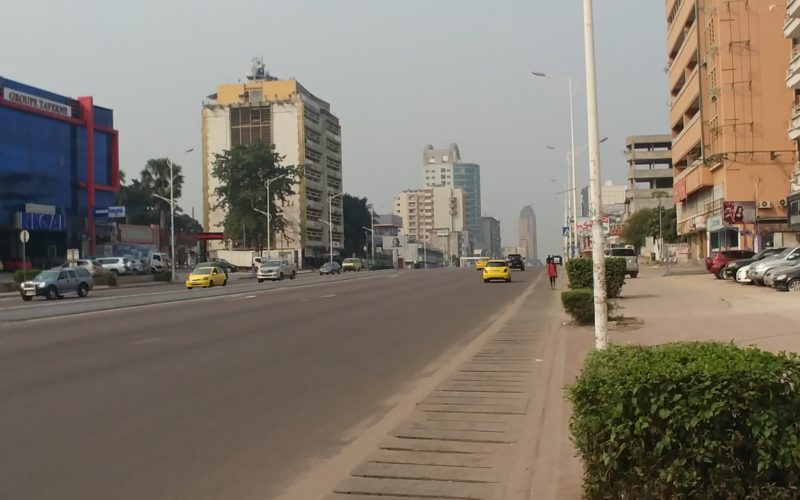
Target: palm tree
{"x":155,"y":181}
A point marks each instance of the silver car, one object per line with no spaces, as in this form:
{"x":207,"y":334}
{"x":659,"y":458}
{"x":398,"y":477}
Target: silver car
{"x":631,"y":260}
{"x":55,"y":283}
{"x":759,"y":270}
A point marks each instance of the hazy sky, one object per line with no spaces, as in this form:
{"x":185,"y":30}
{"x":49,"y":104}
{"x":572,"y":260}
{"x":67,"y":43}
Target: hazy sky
{"x":399,"y":74}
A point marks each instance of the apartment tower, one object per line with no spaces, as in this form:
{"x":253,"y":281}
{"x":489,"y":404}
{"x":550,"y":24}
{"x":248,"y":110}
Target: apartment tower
{"x":729,"y":105}
{"x":304,"y":131}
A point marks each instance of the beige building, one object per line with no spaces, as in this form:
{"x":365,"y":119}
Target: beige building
{"x":527,"y":233}
{"x":650,"y":180}
{"x":791,"y":31}
{"x":729,"y":116}
{"x":434,"y":215}
{"x":304,"y":131}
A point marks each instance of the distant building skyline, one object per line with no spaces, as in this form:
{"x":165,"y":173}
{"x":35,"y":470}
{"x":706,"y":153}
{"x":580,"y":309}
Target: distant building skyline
{"x":527,"y":232}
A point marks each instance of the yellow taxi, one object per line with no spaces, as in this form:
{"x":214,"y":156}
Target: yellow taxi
{"x":496,"y":270}
{"x":480,"y":264}
{"x":206,"y":277}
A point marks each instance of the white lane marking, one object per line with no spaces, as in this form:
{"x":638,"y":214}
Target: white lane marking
{"x":147,"y":341}
{"x":251,"y":296}
{"x":330,"y":296}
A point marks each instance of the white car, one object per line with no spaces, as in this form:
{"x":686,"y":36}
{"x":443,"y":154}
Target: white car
{"x":276,"y":270}
{"x":743,"y":275}
{"x":116,"y":265}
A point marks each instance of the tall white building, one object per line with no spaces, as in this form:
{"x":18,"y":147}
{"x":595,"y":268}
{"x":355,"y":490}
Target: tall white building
{"x":434,"y":215}
{"x":304,"y":131}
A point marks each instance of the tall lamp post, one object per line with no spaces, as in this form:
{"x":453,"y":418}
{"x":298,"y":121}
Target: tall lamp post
{"x":568,"y":80}
{"x":598,"y":238}
{"x":171,"y":202}
{"x":267,"y":183}
{"x":330,"y":221}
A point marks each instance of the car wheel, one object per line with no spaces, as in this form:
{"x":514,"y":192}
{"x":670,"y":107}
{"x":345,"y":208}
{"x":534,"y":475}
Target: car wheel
{"x":27,"y":298}
{"x":83,"y":290}
{"x":210,"y":284}
{"x":718,"y":275}
{"x":508,"y":280}
{"x":260,"y":280}
{"x":794,"y":285}
{"x":280,"y":278}
{"x":225,"y":282}
{"x":52,"y":293}
{"x":134,"y":272}
{"x":188,"y":288}
{"x":634,"y":275}
{"x":485,"y":281}
{"x":115,"y":272}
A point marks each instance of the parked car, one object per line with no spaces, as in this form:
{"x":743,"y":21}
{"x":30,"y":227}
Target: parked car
{"x":515,"y":261}
{"x":352,"y":264}
{"x":116,"y":265}
{"x":94,"y":268}
{"x":631,"y":259}
{"x":225,"y":265}
{"x":788,"y":280}
{"x":55,"y":283}
{"x":759,"y":269}
{"x":715,"y":263}
{"x":276,"y":270}
{"x":769,"y":276}
{"x":743,"y":275}
{"x":330,"y":268}
{"x":731,"y":268}
{"x":480,"y":264}
{"x":206,"y":277}
{"x":159,"y":262}
{"x":137,"y":265}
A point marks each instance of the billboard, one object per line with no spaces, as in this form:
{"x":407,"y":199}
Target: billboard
{"x":390,"y":242}
{"x":738,"y":212}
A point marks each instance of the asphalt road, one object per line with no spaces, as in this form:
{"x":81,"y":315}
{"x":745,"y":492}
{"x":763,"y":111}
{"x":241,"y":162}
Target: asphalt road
{"x":223,"y":397}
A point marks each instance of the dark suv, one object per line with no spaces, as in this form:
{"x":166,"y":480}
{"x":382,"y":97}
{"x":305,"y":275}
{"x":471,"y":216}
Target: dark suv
{"x":715,"y":264}
{"x":515,"y":261}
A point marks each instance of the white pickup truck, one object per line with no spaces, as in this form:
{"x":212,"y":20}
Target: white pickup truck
{"x":276,"y":270}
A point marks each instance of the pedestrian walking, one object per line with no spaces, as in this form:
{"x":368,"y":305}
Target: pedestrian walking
{"x":552,"y":272}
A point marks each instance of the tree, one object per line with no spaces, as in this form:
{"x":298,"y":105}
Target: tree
{"x":357,"y":216}
{"x":155,"y":180}
{"x":638,"y":227}
{"x":242,"y":172}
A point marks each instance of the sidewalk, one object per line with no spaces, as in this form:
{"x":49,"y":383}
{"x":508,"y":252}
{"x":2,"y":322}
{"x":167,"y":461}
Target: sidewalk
{"x":479,"y":434}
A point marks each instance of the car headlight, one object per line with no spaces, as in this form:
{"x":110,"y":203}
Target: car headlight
{"x":41,"y":285}
{"x":781,"y":277}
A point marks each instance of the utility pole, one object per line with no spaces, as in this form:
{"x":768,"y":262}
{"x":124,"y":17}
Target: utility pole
{"x":598,"y":238}
{"x":267,"y":184}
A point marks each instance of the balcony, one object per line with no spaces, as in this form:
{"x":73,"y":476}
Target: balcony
{"x":696,"y":177}
{"x":793,"y":8}
{"x":684,"y":16}
{"x":687,"y":140}
{"x":791,"y":28}
{"x":794,"y":124}
{"x":793,"y":73}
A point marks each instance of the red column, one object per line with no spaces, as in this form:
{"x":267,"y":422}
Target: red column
{"x":87,"y":115}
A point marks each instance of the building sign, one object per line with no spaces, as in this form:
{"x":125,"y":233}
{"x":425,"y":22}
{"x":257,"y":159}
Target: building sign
{"x":216,"y":236}
{"x":40,"y":221}
{"x":116,"y":212}
{"x":32,"y":101}
{"x":714,"y":223}
{"x":738,"y":212}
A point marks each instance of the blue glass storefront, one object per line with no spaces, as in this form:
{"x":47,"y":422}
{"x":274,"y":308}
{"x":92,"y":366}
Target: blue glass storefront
{"x":44,"y":171}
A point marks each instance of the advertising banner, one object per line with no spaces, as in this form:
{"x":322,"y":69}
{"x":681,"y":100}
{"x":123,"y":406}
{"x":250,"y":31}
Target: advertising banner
{"x":738,"y":212}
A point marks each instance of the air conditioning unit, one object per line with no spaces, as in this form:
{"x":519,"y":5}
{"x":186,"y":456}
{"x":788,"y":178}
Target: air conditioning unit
{"x":783,"y":202}
{"x":764,"y":204}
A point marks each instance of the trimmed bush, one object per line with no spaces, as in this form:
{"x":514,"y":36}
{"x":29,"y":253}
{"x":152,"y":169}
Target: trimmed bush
{"x":579,"y":273}
{"x":162,"y":276}
{"x":579,"y":303}
{"x":615,"y":276}
{"x":106,"y":279}
{"x":21,"y":275}
{"x":688,"y":420}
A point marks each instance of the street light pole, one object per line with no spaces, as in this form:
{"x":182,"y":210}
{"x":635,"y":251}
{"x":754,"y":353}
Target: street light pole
{"x":172,"y":217}
{"x":330,"y":221}
{"x":572,"y":161}
{"x":598,"y":239}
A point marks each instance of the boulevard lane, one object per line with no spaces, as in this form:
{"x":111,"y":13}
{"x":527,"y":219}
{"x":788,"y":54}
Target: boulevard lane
{"x":229,"y":397}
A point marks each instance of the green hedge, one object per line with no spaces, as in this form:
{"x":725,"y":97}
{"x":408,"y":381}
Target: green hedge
{"x":106,"y":279}
{"x":162,"y":276}
{"x":21,"y":275}
{"x":615,"y":276}
{"x":579,"y":303}
{"x":688,"y":420}
{"x":579,"y":272}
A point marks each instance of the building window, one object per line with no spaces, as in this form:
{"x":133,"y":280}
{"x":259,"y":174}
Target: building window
{"x":250,"y":124}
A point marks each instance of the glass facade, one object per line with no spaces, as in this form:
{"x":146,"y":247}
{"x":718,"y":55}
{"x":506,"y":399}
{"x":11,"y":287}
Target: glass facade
{"x":43,"y":170}
{"x":467,"y":176}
